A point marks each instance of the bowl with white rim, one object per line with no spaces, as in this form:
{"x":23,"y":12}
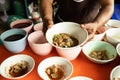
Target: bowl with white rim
{"x":100,"y":52}
{"x":61,"y":65}
{"x":17,"y":66}
{"x":113,"y":23}
{"x":72,"y":29}
{"x":112,"y":35}
{"x":115,"y":73}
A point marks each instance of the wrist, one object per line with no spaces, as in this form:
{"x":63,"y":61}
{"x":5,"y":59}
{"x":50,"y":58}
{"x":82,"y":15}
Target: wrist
{"x":48,"y":22}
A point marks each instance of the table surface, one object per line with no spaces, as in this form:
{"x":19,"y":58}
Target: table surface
{"x":82,"y":66}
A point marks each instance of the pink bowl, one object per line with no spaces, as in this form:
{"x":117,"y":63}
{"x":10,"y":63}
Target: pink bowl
{"x":25,"y":24}
{"x":38,"y":26}
{"x":38,"y":43}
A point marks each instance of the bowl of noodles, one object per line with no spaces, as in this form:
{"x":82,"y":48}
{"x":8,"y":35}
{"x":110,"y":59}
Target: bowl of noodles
{"x":67,"y":38}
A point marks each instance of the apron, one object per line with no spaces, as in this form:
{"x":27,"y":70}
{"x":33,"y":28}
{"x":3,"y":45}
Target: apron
{"x":79,"y":11}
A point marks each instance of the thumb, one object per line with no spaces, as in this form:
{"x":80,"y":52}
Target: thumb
{"x":82,"y":25}
{"x":49,"y":26}
{"x":50,"y":22}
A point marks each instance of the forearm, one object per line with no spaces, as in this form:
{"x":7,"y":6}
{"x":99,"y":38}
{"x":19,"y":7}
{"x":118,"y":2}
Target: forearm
{"x":105,"y":13}
{"x":46,"y":9}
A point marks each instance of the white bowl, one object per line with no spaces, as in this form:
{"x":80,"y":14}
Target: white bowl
{"x":74,"y":30}
{"x":112,"y":35}
{"x":100,"y":46}
{"x":65,"y":64}
{"x":118,"y":48}
{"x":100,"y":33}
{"x":113,"y":23}
{"x":115,"y":73}
{"x":10,"y":61}
{"x":80,"y":78}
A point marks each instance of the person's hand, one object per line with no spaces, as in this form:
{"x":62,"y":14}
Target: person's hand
{"x":47,"y":24}
{"x":50,"y":24}
{"x":91,"y":28}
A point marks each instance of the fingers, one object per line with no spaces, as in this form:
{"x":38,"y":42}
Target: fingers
{"x":90,"y":36}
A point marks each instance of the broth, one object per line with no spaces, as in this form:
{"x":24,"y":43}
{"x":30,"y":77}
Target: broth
{"x":65,"y":40}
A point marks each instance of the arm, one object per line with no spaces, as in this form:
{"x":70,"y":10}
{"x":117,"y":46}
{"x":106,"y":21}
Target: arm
{"x":105,"y":13}
{"x":46,"y":13}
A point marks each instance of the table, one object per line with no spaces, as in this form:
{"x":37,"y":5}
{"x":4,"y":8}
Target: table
{"x":82,"y":66}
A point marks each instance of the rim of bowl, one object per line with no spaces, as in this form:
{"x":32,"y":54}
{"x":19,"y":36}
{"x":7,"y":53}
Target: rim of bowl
{"x":26,"y":34}
{"x":81,"y":78}
{"x":79,"y":45}
{"x":31,"y":34}
{"x":21,"y":21}
{"x":114,"y":21}
{"x":111,"y":30}
{"x":118,"y":48}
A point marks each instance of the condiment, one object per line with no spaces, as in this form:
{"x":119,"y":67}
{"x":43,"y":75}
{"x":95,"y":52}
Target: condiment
{"x":21,"y":25}
{"x":14,"y":37}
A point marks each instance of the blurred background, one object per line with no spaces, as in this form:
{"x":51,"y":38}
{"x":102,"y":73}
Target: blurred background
{"x":18,"y":9}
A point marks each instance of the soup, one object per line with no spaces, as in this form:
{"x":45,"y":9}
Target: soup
{"x":54,"y":72}
{"x":64,"y":40}
{"x":18,"y":69}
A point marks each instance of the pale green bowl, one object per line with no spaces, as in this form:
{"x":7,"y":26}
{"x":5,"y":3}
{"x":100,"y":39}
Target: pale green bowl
{"x":99,"y":46}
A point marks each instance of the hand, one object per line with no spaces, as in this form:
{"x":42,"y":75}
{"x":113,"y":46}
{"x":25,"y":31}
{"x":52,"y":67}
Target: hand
{"x":46,"y":25}
{"x":91,"y":28}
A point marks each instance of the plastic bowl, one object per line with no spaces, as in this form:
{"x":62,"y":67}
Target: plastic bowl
{"x":39,"y":44}
{"x":16,"y":59}
{"x":115,"y":73}
{"x":94,"y":46}
{"x":112,"y":35}
{"x":64,"y":64}
{"x":72,"y":29}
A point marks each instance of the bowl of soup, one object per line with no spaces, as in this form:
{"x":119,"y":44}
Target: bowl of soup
{"x":67,"y":38}
{"x":100,"y":52}
{"x":55,"y":68}
{"x":17,"y":66}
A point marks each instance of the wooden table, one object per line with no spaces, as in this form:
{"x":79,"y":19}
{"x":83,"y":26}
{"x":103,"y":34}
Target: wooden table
{"x":82,"y":66}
